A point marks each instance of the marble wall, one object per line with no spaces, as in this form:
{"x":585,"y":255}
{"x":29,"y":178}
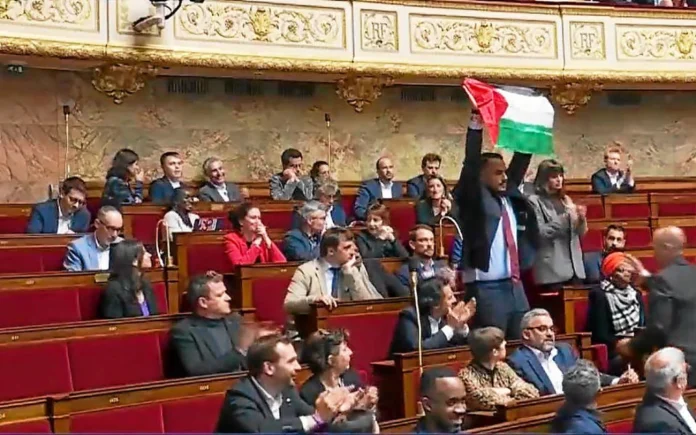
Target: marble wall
{"x":250,"y":132}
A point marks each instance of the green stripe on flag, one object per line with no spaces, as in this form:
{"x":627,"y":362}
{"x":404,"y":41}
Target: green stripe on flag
{"x":525,"y":138}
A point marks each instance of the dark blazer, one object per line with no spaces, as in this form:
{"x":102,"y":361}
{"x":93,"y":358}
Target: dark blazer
{"x":116,"y":302}
{"x":601,"y":183}
{"x":117,"y":192}
{"x":385,"y":283}
{"x":593,"y":266}
{"x":195,"y":347}
{"x":297,"y":246}
{"x":405,"y":276}
{"x":338,"y":215}
{"x":425,"y":215}
{"x":654,"y":415}
{"x":161,"y":191}
{"x":405,"y":338}
{"x":480,"y":210}
{"x":670,"y":320}
{"x":370,"y":191}
{"x":209,"y":193}
{"x":44,"y":219}
{"x":245,"y":410}
{"x":577,"y":421}
{"x":313,"y":387}
{"x":372,"y":247}
{"x":527,"y":366}
{"x":415,"y":187}
{"x":599,"y":319}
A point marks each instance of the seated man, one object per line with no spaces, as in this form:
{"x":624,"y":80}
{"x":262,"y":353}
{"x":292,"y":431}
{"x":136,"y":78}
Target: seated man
{"x":291,"y":184}
{"x":210,"y":340}
{"x":430,"y":165}
{"x":444,"y":401}
{"x":326,"y":193}
{"x":611,"y":179}
{"x":217,"y":189}
{"x":663,"y":409}
{"x":162,"y":189}
{"x":330,"y":278}
{"x":382,"y":187}
{"x":443,"y":320}
{"x":303,"y":244}
{"x":385,"y":283}
{"x":542,"y":362}
{"x":266,"y":401}
{"x":614,"y":241}
{"x":579,"y":411}
{"x":66,"y":215}
{"x":91,"y":252}
{"x":422,"y":242}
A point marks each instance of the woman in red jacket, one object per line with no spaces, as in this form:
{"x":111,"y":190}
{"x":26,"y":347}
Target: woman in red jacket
{"x":249,"y":242}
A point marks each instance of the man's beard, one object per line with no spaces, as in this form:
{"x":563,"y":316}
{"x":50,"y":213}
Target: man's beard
{"x":613,"y":249}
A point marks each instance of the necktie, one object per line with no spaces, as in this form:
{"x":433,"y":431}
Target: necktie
{"x":334,"y":281}
{"x":510,"y":245}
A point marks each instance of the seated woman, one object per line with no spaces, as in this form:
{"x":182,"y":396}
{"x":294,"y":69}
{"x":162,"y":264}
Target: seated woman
{"x":249,"y":242}
{"x":436,"y":203}
{"x":327,"y":354}
{"x":378,"y":239}
{"x":179,"y":218}
{"x":128,"y":293}
{"x":488,"y":380}
{"x":615,"y":309}
{"x":124,"y":169}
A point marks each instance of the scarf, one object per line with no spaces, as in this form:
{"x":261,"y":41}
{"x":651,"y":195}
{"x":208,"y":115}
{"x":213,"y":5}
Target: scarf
{"x":624,"y":307}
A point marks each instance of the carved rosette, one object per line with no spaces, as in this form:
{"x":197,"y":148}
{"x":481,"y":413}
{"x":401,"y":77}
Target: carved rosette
{"x":572,"y":96}
{"x":67,"y":12}
{"x":361,"y":91}
{"x":120,"y":80}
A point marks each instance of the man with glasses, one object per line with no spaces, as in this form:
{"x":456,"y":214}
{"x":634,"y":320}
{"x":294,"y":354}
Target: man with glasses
{"x":542,"y":362}
{"x":91,"y":252}
{"x":65,"y":215}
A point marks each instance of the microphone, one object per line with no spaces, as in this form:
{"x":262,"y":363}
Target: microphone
{"x":413,"y":265}
{"x":327,"y":119}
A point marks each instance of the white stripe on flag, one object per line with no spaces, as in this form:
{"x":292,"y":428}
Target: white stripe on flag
{"x":530,"y":110}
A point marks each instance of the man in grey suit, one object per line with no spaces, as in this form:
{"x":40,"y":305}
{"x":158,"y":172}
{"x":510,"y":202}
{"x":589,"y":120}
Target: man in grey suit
{"x":671,"y":301}
{"x":217,"y":189}
{"x":291,"y":183}
{"x":91,"y":252}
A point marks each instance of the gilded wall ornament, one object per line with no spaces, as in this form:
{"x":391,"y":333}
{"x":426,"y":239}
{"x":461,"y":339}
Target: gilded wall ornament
{"x":379,"y":31}
{"x":655,"y":43}
{"x":118,"y":81}
{"x":272,"y":24}
{"x":462,"y":35}
{"x":572,"y":96}
{"x":47,"y":11}
{"x":361,"y":91}
{"x":587,"y":41}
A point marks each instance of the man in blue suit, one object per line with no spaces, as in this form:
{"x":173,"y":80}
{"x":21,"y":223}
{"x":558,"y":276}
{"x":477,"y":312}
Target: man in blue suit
{"x":430,"y":165}
{"x":382,"y":187}
{"x":162,"y":189}
{"x":422,"y":243}
{"x":614,"y":241}
{"x":579,"y":415}
{"x":91,"y":252}
{"x":66,"y":215}
{"x":611,"y":179}
{"x":302,"y":244}
{"x":542,"y":362}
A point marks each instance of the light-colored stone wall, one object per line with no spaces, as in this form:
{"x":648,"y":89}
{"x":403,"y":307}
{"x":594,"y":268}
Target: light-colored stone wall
{"x":250,"y":132}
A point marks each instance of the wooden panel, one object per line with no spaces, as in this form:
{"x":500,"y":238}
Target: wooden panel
{"x":67,"y":280}
{"x":23,"y":410}
{"x":38,"y":240}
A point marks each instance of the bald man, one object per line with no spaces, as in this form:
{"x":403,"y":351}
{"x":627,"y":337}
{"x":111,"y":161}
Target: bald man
{"x":382,"y":187}
{"x":671,"y":318}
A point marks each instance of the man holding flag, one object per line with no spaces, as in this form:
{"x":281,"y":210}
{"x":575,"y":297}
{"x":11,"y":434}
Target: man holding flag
{"x":500,"y":228}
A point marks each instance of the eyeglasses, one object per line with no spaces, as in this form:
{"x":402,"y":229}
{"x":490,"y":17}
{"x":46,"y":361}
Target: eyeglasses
{"x":76,"y":201}
{"x":543,"y":328}
{"x":110,"y":227}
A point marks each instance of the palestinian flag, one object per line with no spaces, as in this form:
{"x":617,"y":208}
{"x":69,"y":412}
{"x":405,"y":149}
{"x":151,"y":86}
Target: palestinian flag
{"x":518,"y":119}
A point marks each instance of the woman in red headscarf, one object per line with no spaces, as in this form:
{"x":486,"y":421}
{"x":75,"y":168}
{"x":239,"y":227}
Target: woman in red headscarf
{"x":615,"y":308}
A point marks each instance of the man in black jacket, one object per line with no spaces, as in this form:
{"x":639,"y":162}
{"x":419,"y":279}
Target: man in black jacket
{"x":211,"y":340}
{"x":266,"y":401}
{"x":671,"y":301}
{"x":663,"y":409}
{"x":500,"y":232}
{"x":444,"y":401}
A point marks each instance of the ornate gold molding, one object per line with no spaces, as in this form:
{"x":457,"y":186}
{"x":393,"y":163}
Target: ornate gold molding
{"x":572,"y":96}
{"x":118,"y":81}
{"x":62,"y":12}
{"x":361,"y":91}
{"x":655,"y":43}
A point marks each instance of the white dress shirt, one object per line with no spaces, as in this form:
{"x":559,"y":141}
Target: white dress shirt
{"x":176,"y":224}
{"x":102,"y":256}
{"x":274,"y":403}
{"x":550,"y":368}
{"x":222,"y":190}
{"x":617,"y":179}
{"x":63,"y":223}
{"x":386,"y":189}
{"x":681,"y":407}
{"x":329,"y":220}
{"x":447,"y":329}
{"x":175,"y":184}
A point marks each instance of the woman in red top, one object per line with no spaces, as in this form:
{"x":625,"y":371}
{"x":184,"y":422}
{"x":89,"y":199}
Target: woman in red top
{"x":249,"y":242}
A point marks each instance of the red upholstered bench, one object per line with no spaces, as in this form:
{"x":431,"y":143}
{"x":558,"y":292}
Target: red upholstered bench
{"x":638,"y":234}
{"x":261,"y":288}
{"x":177,"y":414}
{"x":622,"y":426}
{"x":35,"y":369}
{"x":633,"y":206}
{"x":402,"y":214}
{"x":14,"y":218}
{"x":146,"y":418}
{"x":594,"y":204}
{"x":33,"y":253}
{"x":672,"y":205}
